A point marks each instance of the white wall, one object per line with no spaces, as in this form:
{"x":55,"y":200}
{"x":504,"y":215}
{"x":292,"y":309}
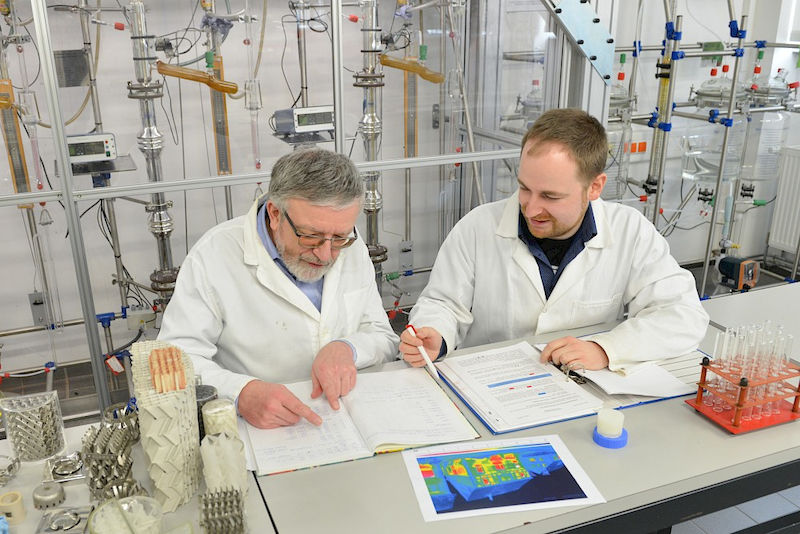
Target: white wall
{"x":196,"y":211}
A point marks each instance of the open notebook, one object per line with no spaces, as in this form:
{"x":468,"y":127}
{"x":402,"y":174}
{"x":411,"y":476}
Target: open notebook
{"x":510,"y":389}
{"x":386,"y":411}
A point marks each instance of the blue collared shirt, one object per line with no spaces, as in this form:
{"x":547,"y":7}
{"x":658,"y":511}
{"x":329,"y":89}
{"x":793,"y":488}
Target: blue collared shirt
{"x":586,"y":231}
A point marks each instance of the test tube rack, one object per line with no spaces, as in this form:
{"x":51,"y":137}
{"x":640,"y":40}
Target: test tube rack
{"x":737,"y":397}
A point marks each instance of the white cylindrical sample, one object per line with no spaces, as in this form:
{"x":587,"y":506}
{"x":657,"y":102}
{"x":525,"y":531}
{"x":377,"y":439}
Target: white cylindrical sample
{"x":12,"y":507}
{"x":610,"y":422}
{"x":219,"y":417}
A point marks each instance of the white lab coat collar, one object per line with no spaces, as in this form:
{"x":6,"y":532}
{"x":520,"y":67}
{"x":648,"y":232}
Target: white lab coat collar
{"x":272,"y":277}
{"x":509,"y":221}
{"x":508,"y":228}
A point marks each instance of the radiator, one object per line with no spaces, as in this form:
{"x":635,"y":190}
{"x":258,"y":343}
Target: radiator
{"x":785,"y":229}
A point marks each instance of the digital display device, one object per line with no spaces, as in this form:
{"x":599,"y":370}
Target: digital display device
{"x":91,"y":147}
{"x":303,"y":120}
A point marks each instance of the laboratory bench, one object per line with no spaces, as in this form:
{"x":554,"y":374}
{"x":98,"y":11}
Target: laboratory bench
{"x":778,"y":303}
{"x":676,"y":466}
{"x":76,"y":492}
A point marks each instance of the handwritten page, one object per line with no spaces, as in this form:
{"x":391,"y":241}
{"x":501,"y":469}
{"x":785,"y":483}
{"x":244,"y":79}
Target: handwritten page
{"x":303,"y":444}
{"x":510,"y":389}
{"x":386,"y":411}
{"x":418,"y":411}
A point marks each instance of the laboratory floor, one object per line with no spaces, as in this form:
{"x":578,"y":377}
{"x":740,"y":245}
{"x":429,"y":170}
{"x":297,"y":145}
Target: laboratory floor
{"x":748,"y":516}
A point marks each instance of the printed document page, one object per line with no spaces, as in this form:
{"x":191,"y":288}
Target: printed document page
{"x":305,"y":445}
{"x":405,"y":408}
{"x":510,"y":389}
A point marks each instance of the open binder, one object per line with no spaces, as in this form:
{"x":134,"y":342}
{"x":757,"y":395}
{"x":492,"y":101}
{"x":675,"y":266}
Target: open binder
{"x":508,"y":388}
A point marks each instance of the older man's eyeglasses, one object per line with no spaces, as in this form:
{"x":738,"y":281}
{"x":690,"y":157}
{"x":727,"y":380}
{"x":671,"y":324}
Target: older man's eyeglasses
{"x":316,"y":241}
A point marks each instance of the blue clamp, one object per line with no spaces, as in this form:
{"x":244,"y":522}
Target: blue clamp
{"x":738,"y":52}
{"x":790,"y":280}
{"x":132,"y":404}
{"x":124,"y":310}
{"x":761,"y":44}
{"x":712,"y":115}
{"x":735,"y":31}
{"x":664,"y":46}
{"x":705,"y":297}
{"x":674,"y":106}
{"x":105,"y":319}
{"x":408,"y":272}
{"x":678,"y":54}
{"x":726,"y":122}
{"x":653,"y":120}
{"x":50,"y":365}
{"x":637,"y":48}
{"x":666,"y":126}
{"x":672,"y":35}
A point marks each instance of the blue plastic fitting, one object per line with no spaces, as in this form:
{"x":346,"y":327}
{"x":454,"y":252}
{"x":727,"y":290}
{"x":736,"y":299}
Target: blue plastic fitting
{"x":670,"y":27}
{"x":610,"y":443}
{"x":666,"y":126}
{"x":735,"y":31}
{"x":653,"y":120}
{"x":50,"y":365}
{"x":105,"y":319}
{"x":637,"y":47}
{"x":738,"y":52}
{"x":726,"y":122}
{"x":761,"y":44}
{"x":678,"y":54}
{"x":712,"y":115}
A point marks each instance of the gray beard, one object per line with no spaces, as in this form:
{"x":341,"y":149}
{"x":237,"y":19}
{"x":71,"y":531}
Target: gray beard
{"x":299,"y":268}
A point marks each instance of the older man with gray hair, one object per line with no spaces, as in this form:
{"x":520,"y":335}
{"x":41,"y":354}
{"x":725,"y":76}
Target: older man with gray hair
{"x":284,"y":293}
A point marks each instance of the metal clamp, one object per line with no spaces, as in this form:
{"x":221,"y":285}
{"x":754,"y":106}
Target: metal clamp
{"x":9,"y":466}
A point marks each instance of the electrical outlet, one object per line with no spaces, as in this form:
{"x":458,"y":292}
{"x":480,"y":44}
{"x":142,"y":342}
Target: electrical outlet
{"x":406,"y":255}
{"x":38,"y":311}
{"x":140,"y":315}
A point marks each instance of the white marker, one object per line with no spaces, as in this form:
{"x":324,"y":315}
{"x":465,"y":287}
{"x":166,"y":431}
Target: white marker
{"x":411,"y":330}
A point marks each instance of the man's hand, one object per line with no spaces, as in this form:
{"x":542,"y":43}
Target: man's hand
{"x":428,"y":338}
{"x":333,"y":372}
{"x":575,"y":353}
{"x":268,"y":405}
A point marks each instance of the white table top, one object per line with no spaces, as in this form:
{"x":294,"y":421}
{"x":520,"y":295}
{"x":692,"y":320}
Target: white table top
{"x":780,"y":303}
{"x":671,"y":450}
{"x":77,"y":492}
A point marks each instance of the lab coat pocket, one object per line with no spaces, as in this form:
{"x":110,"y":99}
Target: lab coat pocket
{"x":354,"y":307}
{"x":590,"y":312}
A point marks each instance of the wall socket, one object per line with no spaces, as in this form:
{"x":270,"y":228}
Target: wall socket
{"x":38,"y":309}
{"x":406,"y":255}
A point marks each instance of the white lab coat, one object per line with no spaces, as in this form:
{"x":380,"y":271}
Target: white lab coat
{"x":485,"y":287}
{"x":239,"y":316}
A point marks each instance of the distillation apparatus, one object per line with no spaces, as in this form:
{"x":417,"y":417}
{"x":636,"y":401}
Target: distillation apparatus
{"x":370,"y":128}
{"x":150,"y":142}
{"x":46,"y":304}
{"x":718,"y":165}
